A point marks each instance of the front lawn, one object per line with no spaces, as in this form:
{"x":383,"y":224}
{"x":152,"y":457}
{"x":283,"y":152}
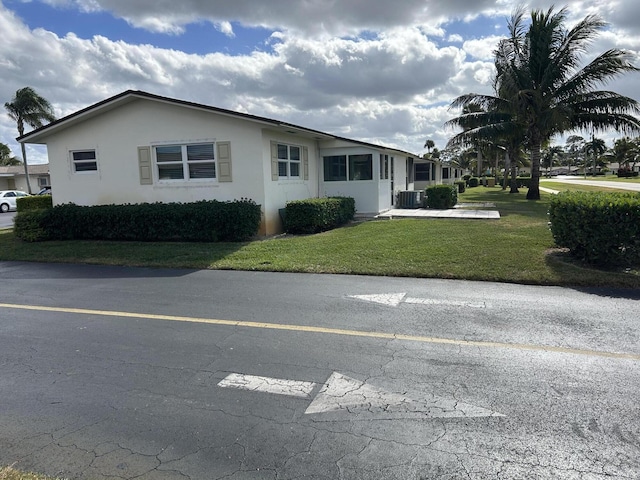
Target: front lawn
{"x":515,"y":248}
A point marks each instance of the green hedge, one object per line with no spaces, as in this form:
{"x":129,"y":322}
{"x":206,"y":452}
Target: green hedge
{"x":318,"y":214}
{"x":598,"y":227}
{"x":523,"y":182}
{"x":33,"y":202}
{"x":461,"y":186}
{"x":473,"y":182}
{"x":441,"y":196}
{"x":204,"y":221}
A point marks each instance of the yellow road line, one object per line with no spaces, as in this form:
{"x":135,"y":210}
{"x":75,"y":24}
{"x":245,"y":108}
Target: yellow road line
{"x":326,"y":330}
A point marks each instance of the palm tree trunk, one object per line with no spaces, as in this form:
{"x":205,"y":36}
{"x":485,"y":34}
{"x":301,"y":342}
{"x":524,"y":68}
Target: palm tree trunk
{"x":534,"y":188}
{"x":514,"y":179}
{"x":24,"y":155}
{"x":507,"y":166}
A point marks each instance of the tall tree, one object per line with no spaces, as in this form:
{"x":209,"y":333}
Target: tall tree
{"x":550,"y":156}
{"x":6,"y":159}
{"x":27,"y":107}
{"x":429,"y":144}
{"x":541,"y":90}
{"x":596,"y":147}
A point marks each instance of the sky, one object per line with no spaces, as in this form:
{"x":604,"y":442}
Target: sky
{"x":379,"y":71}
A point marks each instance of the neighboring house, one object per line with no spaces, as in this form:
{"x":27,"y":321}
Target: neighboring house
{"x":138,"y":147}
{"x":13,"y":177}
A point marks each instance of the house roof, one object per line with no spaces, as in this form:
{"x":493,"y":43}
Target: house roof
{"x":39,"y":135}
{"x":14,"y":170}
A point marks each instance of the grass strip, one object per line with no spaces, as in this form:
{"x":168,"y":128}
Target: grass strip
{"x":518,"y":248}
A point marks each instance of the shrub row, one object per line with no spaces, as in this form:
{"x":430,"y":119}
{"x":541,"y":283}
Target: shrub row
{"x":441,"y":196}
{"x":318,"y":214}
{"x":473,"y":182}
{"x":598,"y":227}
{"x":33,"y":202}
{"x":627,"y":173}
{"x":204,"y":221}
{"x":462,"y":186}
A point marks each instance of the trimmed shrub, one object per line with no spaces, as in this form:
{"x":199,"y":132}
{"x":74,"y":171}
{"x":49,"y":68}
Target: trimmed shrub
{"x":473,"y":182}
{"x":523,"y":182}
{"x":33,"y":202}
{"x":598,"y":227}
{"x":441,"y":196}
{"x":204,"y":221}
{"x":27,"y":226}
{"x":461,"y":186}
{"x":627,"y":173}
{"x":315,"y":215}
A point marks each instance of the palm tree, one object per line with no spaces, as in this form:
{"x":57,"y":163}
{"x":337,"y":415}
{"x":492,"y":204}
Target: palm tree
{"x":541,"y":91}
{"x":595,"y":147}
{"x":6,"y":159}
{"x":549,"y":156}
{"x":429,"y":144}
{"x":30,"y":108}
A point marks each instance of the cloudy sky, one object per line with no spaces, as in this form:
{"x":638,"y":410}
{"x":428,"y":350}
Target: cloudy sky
{"x":375,"y":70}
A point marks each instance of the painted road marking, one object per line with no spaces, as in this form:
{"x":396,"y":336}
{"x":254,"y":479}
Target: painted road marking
{"x":330,"y":331}
{"x":341,"y":392}
{"x":278,"y":386}
{"x":395,"y":299}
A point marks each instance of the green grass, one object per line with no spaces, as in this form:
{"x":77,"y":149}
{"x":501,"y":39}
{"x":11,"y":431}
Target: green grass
{"x":563,"y":187}
{"x":9,"y":473}
{"x":517,"y":248}
{"x":611,"y":178}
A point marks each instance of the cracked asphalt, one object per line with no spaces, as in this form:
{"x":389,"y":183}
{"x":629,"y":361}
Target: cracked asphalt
{"x":89,"y":392}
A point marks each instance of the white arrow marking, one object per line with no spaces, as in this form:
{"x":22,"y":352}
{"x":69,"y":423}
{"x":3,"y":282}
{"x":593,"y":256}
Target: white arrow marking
{"x":391,"y":299}
{"x":395,"y":299}
{"x":345,"y":393}
{"x":277,"y":386}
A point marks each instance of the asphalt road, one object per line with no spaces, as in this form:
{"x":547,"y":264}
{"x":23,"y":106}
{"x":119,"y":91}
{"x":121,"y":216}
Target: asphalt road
{"x":6,"y":219}
{"x":169,"y":374}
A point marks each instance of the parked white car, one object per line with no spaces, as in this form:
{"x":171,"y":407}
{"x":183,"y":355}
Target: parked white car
{"x":8,"y":199}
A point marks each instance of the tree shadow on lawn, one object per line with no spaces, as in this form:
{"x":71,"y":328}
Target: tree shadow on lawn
{"x":605,"y":282}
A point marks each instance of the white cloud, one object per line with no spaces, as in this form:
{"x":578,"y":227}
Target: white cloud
{"x":392,"y":85}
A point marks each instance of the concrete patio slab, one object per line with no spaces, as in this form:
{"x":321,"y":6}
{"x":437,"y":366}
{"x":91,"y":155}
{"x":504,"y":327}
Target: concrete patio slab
{"x":449,"y":213}
{"x":476,"y":205}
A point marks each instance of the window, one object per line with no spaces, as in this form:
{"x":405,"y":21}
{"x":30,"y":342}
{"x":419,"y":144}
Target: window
{"x":384,"y":167}
{"x":84,"y":161}
{"x":186,"y":162}
{"x":335,"y":168}
{"x":361,"y":167}
{"x":43,"y":182}
{"x":422,"y":172}
{"x":288,"y":161}
{"x":445,"y":173}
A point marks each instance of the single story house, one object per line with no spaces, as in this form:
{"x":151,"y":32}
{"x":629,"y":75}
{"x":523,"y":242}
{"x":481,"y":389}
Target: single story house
{"x":13,"y":177}
{"x":139,"y":147}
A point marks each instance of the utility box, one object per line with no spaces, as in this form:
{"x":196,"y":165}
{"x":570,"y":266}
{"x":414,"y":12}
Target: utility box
{"x":410,"y":198}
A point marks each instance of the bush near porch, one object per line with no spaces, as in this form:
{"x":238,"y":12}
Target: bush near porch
{"x":441,"y":196}
{"x":315,"y":215}
{"x":204,"y":221}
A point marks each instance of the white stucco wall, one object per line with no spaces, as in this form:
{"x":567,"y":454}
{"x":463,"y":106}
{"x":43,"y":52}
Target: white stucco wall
{"x":116,"y":135}
{"x":279,"y":192}
{"x":364,"y":192}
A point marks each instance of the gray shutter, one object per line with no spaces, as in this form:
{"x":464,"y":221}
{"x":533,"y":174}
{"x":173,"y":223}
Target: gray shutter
{"x":274,"y":162}
{"x":305,"y":162}
{"x":224,"y":161}
{"x":144,"y":166}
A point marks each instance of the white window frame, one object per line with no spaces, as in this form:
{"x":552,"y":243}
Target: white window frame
{"x":83,"y":161}
{"x":185,"y":162}
{"x":288,"y":161}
